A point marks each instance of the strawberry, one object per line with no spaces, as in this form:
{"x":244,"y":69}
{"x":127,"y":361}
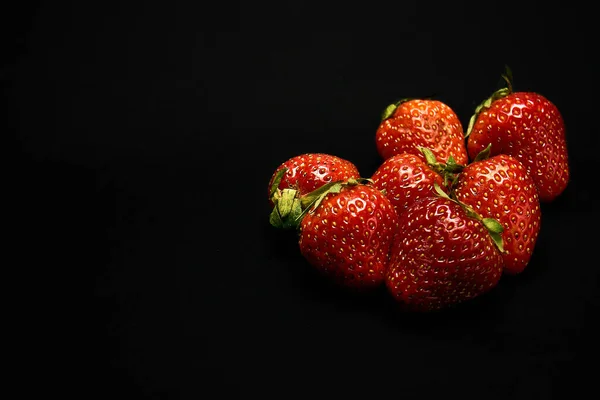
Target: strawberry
{"x":527,"y":126}
{"x":345,"y":231}
{"x":410,"y":124}
{"x":348,"y":236}
{"x":309,"y":171}
{"x":442,"y":255}
{"x":406,"y":178}
{"x":500,"y":187}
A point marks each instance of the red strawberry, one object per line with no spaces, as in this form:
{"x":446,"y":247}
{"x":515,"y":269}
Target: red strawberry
{"x":347,"y":234}
{"x":500,"y":187}
{"x":310,"y":171}
{"x":441,"y":257}
{"x":410,"y":124}
{"x":529,"y":127}
{"x":406,"y":178}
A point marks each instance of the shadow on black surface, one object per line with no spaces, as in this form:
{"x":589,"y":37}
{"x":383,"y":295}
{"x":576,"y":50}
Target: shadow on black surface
{"x":309,"y":284}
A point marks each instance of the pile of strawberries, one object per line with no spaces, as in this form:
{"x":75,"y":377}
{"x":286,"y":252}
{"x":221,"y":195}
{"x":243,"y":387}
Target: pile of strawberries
{"x":445,"y":215}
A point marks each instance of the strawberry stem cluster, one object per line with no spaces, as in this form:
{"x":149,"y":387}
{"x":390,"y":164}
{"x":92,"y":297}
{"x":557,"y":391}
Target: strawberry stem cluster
{"x":289,"y":206}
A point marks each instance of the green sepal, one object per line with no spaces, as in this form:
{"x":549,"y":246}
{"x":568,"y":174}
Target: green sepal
{"x":275,"y":218}
{"x":492,"y":225}
{"x":312,"y":197}
{"x":484,"y":154}
{"x":315,"y":201}
{"x":452,"y":166}
{"x":508,"y":77}
{"x":429,"y":156}
{"x":391,"y":109}
{"x":388,"y":112}
{"x":286,"y":211}
{"x":286,"y":202}
{"x":471,"y":213}
{"x":448,"y":170}
{"x":440,"y":192}
{"x":452,"y":184}
{"x":497,"y":239}
{"x":289,"y":222}
{"x":290,"y":208}
{"x":498,"y":94}
{"x":276,"y":182}
{"x":495,"y":230}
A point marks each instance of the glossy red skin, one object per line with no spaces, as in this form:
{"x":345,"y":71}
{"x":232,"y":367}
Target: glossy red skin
{"x":406,"y":179}
{"x":310,"y":171}
{"x":501,"y":188}
{"x":529,"y":127}
{"x":440,"y":257}
{"x":422,"y":123}
{"x":348,"y":237}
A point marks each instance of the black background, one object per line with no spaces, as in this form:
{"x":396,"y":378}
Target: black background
{"x":141,"y":138}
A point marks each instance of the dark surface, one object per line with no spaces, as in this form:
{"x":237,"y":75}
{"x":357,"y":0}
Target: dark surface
{"x":145,"y":137}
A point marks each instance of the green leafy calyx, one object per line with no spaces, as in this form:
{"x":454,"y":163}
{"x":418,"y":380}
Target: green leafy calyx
{"x":487,"y":103}
{"x":449,"y":170}
{"x":289,"y":207}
